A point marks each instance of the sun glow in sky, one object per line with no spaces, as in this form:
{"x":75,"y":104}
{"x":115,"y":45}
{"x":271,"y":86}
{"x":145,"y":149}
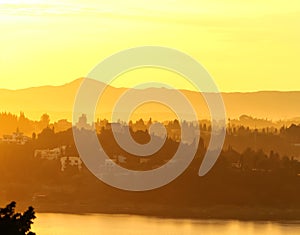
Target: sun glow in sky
{"x":245,"y":45}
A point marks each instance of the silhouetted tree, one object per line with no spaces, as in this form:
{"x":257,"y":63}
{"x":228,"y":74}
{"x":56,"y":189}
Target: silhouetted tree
{"x":12,"y":223}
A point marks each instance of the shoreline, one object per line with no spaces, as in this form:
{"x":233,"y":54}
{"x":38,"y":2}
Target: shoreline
{"x":219,"y":212}
{"x":169,"y":211}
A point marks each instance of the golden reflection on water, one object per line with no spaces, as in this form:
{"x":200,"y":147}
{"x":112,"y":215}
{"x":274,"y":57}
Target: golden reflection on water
{"x":66,"y":224}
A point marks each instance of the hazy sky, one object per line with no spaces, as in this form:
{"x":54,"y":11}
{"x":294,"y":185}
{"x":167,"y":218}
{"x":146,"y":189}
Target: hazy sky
{"x":245,"y":45}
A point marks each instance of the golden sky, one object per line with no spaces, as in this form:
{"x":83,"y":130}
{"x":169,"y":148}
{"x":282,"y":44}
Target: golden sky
{"x":245,"y":45}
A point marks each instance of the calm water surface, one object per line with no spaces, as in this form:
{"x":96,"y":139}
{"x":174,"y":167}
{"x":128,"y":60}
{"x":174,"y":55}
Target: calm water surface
{"x":94,"y":224}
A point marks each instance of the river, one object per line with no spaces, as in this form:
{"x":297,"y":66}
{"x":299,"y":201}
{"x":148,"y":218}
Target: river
{"x":103,"y":224}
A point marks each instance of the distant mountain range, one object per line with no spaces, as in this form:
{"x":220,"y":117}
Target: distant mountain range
{"x":58,"y":102}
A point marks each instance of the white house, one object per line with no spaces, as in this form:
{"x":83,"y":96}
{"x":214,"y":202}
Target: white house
{"x":50,"y":154}
{"x":73,"y":161}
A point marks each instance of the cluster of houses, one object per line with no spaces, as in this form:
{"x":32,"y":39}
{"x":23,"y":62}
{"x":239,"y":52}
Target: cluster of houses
{"x":60,"y":154}
{"x":15,"y":138}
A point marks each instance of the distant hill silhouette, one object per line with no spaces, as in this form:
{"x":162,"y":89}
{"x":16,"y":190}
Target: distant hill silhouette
{"x":58,"y":102}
